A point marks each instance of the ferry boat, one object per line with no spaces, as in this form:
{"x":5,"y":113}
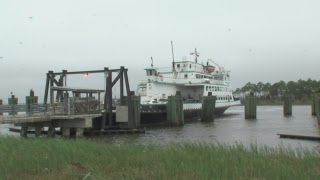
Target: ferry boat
{"x":193,"y":79}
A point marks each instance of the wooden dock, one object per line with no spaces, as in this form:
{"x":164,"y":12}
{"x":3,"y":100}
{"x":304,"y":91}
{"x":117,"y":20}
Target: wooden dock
{"x":18,"y":119}
{"x":88,"y":132}
{"x":303,"y":137}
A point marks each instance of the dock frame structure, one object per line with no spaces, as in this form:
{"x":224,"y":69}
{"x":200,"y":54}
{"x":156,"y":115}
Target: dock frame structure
{"x":56,"y":84}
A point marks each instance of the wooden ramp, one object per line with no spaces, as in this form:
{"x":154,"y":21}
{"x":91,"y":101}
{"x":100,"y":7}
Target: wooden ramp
{"x":303,"y":137}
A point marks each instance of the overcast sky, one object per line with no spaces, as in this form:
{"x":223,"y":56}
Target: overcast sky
{"x":258,"y":40}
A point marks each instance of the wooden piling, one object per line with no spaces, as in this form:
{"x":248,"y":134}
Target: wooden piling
{"x":30,"y":101}
{"x":287,"y":105}
{"x":313,"y":104}
{"x":13,"y":101}
{"x":66,"y":132}
{"x":51,"y":132}
{"x":1,"y":102}
{"x":317,"y":107}
{"x":250,"y":107}
{"x":135,"y":104}
{"x":208,"y":106}
{"x":79,"y":132}
{"x":37,"y":131}
{"x":175,"y":116}
{"x":135,"y":101}
{"x":24,"y":131}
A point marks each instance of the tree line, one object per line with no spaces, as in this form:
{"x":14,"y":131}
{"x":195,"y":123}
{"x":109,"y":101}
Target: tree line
{"x":301,"y":89}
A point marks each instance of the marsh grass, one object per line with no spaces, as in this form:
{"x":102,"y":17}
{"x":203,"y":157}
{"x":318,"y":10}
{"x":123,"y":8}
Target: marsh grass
{"x":73,"y":159}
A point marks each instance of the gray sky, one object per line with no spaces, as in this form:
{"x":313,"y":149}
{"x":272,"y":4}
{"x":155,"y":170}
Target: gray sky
{"x":258,"y":40}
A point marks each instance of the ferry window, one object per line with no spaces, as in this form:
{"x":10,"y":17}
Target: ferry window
{"x":197,"y":76}
{"x":178,"y":65}
{"x":206,"y":88}
{"x":186,"y":76}
{"x":201,"y":76}
{"x":209,"y":88}
{"x":184,"y":65}
{"x":190,"y":66}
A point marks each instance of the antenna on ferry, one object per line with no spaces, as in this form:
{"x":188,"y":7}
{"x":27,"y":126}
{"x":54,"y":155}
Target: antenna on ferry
{"x":196,"y":55}
{"x":151,"y":62}
{"x":172,"y":56}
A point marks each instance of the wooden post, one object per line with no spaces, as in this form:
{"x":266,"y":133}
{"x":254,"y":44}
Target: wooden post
{"x":109,"y":96}
{"x":317,"y":106}
{"x":129,"y":103}
{"x":30,"y":101}
{"x":24,"y":131}
{"x":287,"y":105}
{"x":51,"y":86}
{"x":135,"y":100}
{"x":51,"y":132}
{"x":13,"y":101}
{"x":250,"y":108}
{"x":175,"y":116}
{"x":208,"y":106}
{"x":121,"y":86}
{"x":38,"y":130}
{"x":46,"y":91}
{"x":79,"y":132}
{"x":105,"y":107}
{"x":66,"y":132}
{"x":1,"y":102}
{"x":313,"y":104}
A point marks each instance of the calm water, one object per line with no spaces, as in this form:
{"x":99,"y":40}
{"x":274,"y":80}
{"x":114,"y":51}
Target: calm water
{"x":230,"y":129}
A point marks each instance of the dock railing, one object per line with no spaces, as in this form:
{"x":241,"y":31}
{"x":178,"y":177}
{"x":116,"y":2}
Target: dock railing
{"x":71,"y":107}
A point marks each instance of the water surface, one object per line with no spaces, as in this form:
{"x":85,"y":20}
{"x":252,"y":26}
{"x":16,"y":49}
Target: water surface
{"x":231,"y":128}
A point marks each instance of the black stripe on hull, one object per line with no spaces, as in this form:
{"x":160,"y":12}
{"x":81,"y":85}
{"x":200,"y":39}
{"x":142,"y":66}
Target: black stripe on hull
{"x":157,"y":113}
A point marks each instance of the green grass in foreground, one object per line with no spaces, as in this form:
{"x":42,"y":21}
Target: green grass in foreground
{"x":74,"y":159}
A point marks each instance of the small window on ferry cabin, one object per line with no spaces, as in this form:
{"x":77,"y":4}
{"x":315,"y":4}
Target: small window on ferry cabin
{"x":178,"y":65}
{"x":190,"y":66}
{"x":206,"y":88}
{"x":185,"y":75}
{"x":197,"y":76}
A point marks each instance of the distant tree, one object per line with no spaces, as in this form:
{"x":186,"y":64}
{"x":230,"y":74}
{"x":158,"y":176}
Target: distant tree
{"x":301,"y":89}
{"x":259,"y":88}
